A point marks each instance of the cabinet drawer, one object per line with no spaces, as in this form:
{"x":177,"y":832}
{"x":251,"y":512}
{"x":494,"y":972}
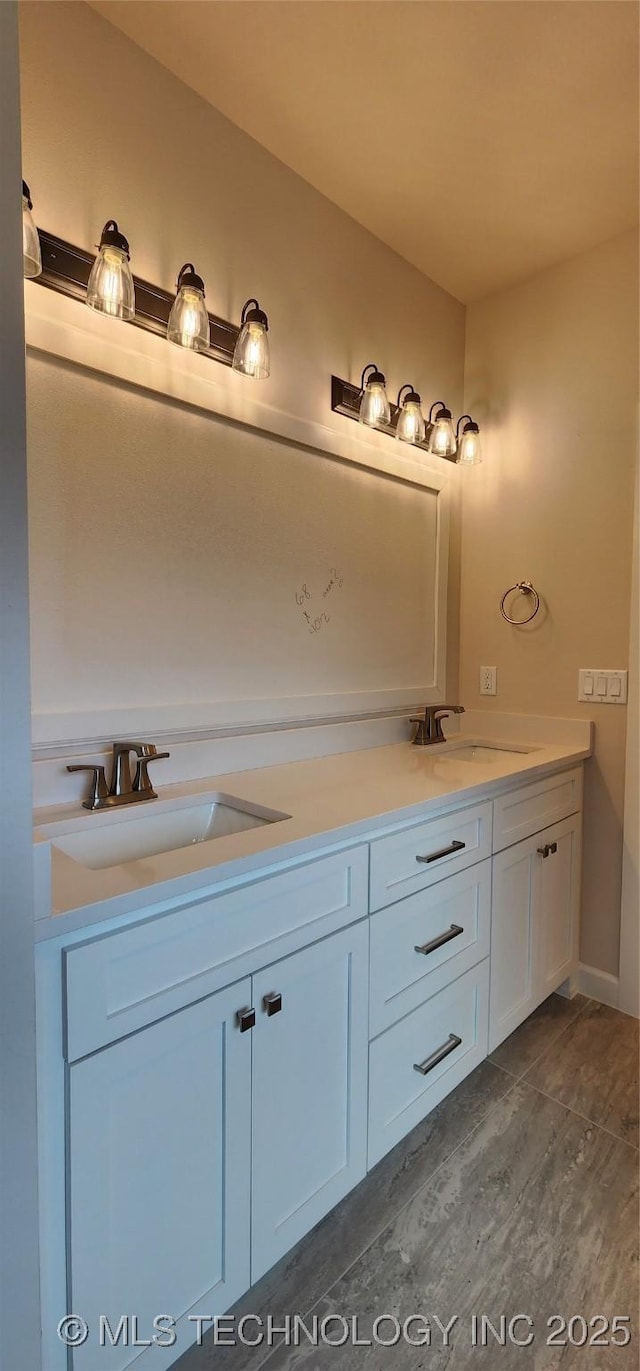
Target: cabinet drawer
{"x":118,"y":983}
{"x":446,"y":1037}
{"x":527,"y":810}
{"x":421,"y":944}
{"x":417,"y":857}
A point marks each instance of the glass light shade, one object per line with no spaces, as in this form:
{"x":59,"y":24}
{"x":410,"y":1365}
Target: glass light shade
{"x":442,"y":441}
{"x":374,"y":405}
{"x":31,"y":254}
{"x":189,"y":321}
{"x":251,"y":355}
{"x":410,"y":427}
{"x":110,"y":288}
{"x":470,"y":449}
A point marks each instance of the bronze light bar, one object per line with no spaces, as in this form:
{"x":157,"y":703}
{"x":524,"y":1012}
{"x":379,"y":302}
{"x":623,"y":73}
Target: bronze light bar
{"x":345,"y":399}
{"x":66,"y":269}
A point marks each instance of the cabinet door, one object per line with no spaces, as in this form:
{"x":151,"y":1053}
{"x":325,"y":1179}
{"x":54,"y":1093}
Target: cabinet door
{"x":309,"y":1089}
{"x":159,"y":1167}
{"x":559,"y":904}
{"x":514,"y":937}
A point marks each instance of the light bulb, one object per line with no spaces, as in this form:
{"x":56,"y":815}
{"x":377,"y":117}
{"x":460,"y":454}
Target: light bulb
{"x":375,"y":409}
{"x":110,"y":289}
{"x":442,"y":439}
{"x":470,"y":448}
{"x":31,"y":254}
{"x":410,"y":427}
{"x":188,"y":321}
{"x":251,"y":354}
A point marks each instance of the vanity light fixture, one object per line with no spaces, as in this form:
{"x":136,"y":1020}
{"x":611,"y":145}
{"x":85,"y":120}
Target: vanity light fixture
{"x":402,"y":420}
{"x":105,"y":282}
{"x":110,"y":288}
{"x":405,"y":420}
{"x":188,"y":321}
{"x":410,"y":426}
{"x":469,"y":447}
{"x":251,"y":354}
{"x":442,"y":439}
{"x":31,"y":255}
{"x":375,"y":410}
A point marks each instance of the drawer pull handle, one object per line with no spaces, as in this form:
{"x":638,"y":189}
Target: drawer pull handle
{"x":272,"y":1003}
{"x":455,"y":846}
{"x":439,"y":1055}
{"x":245,"y":1019}
{"x":442,"y":938}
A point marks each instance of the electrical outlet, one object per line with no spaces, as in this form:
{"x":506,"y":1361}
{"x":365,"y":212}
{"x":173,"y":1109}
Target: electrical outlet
{"x":488,"y":680}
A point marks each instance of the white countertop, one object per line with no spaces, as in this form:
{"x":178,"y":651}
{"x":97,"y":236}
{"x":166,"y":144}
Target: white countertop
{"x":331,"y":800}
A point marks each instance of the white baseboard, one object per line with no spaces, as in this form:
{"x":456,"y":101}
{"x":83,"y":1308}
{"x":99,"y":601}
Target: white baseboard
{"x":598,"y":985}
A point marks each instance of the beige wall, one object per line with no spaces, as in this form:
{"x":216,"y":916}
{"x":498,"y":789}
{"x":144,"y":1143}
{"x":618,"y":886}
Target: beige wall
{"x":108,"y":132}
{"x":629,"y":999}
{"x":552,"y":373}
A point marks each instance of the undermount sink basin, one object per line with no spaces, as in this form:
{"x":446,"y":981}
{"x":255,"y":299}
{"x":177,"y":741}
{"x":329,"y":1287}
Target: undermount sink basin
{"x":108,"y":840}
{"x":481,"y":752}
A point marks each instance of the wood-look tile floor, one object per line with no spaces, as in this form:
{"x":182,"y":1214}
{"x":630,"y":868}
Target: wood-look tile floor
{"x":518,"y":1195}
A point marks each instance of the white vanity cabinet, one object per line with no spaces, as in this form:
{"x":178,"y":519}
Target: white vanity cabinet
{"x":514,"y":940}
{"x":415,"y":858}
{"x":216,"y":1077}
{"x":424,"y":1056}
{"x":159,"y":1149}
{"x":309,"y":1096}
{"x":204,"y":1146}
{"x":429,"y":970}
{"x":534,"y":923}
{"x":559,"y":915}
{"x":205,"y":1133}
{"x":441,"y":904}
{"x":424,"y":942}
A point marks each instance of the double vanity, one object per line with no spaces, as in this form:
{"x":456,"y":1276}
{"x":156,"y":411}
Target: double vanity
{"x":250,"y":990}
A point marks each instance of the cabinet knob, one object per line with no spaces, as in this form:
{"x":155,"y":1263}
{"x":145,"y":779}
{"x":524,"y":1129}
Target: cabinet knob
{"x":245,"y":1019}
{"x":543,"y":851}
{"x":272,"y":1003}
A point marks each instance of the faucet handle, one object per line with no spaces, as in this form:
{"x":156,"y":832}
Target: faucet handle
{"x":99,"y":789}
{"x":141,"y":783}
{"x":420,"y":736}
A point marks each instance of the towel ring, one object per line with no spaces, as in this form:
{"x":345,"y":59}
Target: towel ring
{"x":525,"y":588}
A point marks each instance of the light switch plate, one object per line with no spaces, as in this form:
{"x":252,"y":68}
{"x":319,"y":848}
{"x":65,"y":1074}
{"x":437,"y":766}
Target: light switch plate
{"x":596,"y":685}
{"x":488,"y":680}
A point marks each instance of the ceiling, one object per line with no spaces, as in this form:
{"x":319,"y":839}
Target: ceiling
{"x":483,"y":140}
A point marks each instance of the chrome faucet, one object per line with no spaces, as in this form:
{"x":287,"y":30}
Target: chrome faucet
{"x":429,"y":729}
{"x":122,"y":789}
